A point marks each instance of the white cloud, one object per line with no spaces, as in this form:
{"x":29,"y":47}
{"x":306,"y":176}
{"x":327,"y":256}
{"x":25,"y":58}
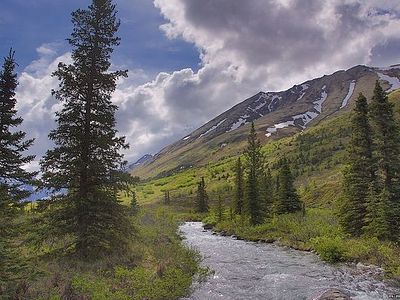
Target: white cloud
{"x":245,"y":47}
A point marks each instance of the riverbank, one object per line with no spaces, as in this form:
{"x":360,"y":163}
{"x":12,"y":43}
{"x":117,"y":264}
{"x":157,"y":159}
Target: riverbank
{"x":253,"y":271}
{"x":157,"y":266}
{"x":318,"y":231}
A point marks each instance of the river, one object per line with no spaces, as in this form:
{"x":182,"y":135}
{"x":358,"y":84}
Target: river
{"x":248,"y":270}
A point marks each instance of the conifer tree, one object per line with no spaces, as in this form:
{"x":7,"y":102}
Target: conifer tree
{"x":375,"y":220}
{"x":239,"y":190}
{"x":134,"y":206}
{"x":167,"y":199}
{"x":360,"y":172}
{"x":86,"y":160}
{"x":287,"y":199}
{"x":387,"y":159}
{"x":202,"y":197}
{"x":267,"y":193}
{"x":220,"y":210}
{"x":254,"y":163}
{"x":13,"y":177}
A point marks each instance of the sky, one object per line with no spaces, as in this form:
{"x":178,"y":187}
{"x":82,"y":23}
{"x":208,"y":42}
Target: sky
{"x":190,"y":60}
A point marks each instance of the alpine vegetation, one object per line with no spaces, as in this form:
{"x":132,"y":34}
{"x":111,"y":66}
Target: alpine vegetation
{"x":372,"y":178}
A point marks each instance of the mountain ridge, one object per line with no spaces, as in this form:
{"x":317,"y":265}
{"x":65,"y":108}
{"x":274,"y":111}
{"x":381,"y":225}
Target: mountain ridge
{"x":275,"y":114}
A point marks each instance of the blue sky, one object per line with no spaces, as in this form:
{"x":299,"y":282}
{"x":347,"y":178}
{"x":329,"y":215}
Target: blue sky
{"x":27,"y":24}
{"x":190,"y":60}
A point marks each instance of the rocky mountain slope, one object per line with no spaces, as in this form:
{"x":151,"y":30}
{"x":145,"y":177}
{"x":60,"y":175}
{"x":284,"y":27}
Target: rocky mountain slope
{"x":275,"y":114}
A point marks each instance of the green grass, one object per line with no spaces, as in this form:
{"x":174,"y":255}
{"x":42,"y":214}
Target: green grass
{"x":318,"y":230}
{"x":317,"y":157}
{"x":157,"y":266}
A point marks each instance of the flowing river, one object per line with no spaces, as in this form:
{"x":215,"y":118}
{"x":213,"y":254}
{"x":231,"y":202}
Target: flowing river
{"x":248,"y":270}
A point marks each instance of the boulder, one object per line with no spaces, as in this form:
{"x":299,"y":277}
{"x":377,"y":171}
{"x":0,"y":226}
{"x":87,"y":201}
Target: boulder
{"x":333,"y":294}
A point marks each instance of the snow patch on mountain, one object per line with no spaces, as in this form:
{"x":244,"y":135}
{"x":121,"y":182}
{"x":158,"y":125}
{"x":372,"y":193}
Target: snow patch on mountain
{"x":304,"y":88}
{"x":261,"y":105}
{"x":186,"y":138}
{"x":389,"y":68}
{"x":318,"y":103}
{"x":241,"y":121}
{"x":212,"y":128}
{"x":305,"y":118}
{"x":349,"y":94}
{"x":273,"y":100}
{"x":274,"y":129}
{"x":393,"y":81}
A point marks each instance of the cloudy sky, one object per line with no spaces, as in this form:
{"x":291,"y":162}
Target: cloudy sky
{"x":190,"y":60}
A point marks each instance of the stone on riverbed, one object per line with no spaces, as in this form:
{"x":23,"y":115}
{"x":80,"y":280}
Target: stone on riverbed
{"x":208,"y":226}
{"x":333,"y":294}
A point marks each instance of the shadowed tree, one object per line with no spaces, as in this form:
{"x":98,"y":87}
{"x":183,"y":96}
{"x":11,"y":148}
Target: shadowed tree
{"x":254,"y":164}
{"x":13,"y":177}
{"x":220,"y":210}
{"x":167,"y":199}
{"x":86,"y":160}
{"x":134,"y":205}
{"x":239,"y":190}
{"x":267,"y":193}
{"x":287,"y":200}
{"x":387,"y":159}
{"x":359,"y":175}
{"x":202,"y":197}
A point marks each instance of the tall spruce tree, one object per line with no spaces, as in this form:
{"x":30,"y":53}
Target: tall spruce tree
{"x":202,"y":197}
{"x":86,"y":160}
{"x":239,"y":189}
{"x":387,"y":159}
{"x":13,"y":177}
{"x":267,"y":193}
{"x":359,"y":175}
{"x":254,"y":163}
{"x":287,"y":199}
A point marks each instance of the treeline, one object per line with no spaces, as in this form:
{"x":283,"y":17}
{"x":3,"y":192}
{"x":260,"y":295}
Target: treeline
{"x":258,"y":194}
{"x":371,"y":206}
{"x":84,"y":170}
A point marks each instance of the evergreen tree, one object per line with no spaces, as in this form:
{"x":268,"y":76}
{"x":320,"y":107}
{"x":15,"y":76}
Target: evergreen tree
{"x":360,"y":172}
{"x":86,"y":159}
{"x":267,"y":193}
{"x":239,"y":190}
{"x":134,"y":206}
{"x":167,"y":199}
{"x":387,"y":159}
{"x":13,"y":177}
{"x":220,"y":210}
{"x":375,"y":221}
{"x":287,"y":200}
{"x":254,"y":163}
{"x":202,"y":197}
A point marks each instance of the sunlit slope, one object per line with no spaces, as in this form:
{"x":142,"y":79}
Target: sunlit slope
{"x":317,"y":156}
{"x":276,"y":115}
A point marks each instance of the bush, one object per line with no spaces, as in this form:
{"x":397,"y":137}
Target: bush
{"x":330,"y":249}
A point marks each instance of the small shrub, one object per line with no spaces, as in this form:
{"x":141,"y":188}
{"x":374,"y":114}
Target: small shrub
{"x":330,"y":249}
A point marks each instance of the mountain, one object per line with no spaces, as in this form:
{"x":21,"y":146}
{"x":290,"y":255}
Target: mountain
{"x":147,"y":158}
{"x":276,"y":114}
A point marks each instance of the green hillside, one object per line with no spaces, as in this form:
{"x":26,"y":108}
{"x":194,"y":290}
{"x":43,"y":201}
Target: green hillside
{"x":317,"y":157}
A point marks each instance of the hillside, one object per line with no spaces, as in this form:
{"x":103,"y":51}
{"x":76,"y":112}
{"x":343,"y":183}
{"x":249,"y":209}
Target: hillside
{"x":276,"y":115}
{"x":317,"y":156}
